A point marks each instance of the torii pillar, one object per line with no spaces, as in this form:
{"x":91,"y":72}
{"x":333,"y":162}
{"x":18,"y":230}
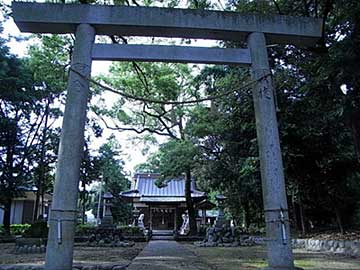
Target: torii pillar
{"x":59,"y":251}
{"x":272,"y":173}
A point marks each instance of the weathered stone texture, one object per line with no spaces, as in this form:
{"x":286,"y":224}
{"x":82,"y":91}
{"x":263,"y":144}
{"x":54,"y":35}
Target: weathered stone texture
{"x":347,"y":248}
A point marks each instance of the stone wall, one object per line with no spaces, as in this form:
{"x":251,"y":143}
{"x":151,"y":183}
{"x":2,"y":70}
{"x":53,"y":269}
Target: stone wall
{"x":348,"y":248}
{"x":76,"y":266}
{"x":30,"y":245}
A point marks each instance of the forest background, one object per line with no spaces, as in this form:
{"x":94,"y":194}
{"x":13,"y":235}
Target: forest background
{"x":212,"y":141}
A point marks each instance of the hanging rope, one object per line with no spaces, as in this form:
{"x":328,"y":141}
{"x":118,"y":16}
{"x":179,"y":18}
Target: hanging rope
{"x":156,"y":101}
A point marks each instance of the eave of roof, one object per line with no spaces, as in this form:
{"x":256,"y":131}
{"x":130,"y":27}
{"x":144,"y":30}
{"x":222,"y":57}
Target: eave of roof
{"x":162,"y":199}
{"x":146,"y":190}
{"x":205,"y":204}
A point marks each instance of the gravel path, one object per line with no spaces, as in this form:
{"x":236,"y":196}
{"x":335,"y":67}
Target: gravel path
{"x":167,"y":255}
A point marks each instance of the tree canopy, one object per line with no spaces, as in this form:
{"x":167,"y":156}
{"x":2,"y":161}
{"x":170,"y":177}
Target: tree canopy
{"x":214,"y":142}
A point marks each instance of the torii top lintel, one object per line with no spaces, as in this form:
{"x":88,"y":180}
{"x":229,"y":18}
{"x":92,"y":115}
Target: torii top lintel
{"x":164,"y":22}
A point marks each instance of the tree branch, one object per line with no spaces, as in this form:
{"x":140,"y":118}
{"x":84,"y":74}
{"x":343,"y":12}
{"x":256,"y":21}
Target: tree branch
{"x":136,"y":67}
{"x":159,"y":118}
{"x":277,"y":7}
{"x":149,"y":100}
{"x":138,"y":131}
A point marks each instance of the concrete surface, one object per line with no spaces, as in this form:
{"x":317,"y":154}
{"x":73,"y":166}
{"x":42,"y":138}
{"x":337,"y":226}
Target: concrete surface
{"x":167,"y":255}
{"x":60,"y":245}
{"x":271,"y":165}
{"x":173,"y":54}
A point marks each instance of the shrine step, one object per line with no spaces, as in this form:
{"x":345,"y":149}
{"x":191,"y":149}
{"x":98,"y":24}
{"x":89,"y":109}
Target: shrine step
{"x":162,"y":235}
{"x":162,"y":232}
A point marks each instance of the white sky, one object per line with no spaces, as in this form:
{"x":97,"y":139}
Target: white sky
{"x":132,"y":154}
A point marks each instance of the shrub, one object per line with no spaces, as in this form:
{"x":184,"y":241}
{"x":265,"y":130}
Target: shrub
{"x":255,"y":229}
{"x":238,"y":231}
{"x":83,"y":228}
{"x":356,"y":217}
{"x":202,"y":229}
{"x":19,"y":229}
{"x":2,"y":231}
{"x":37,"y":229}
{"x":130,"y":230}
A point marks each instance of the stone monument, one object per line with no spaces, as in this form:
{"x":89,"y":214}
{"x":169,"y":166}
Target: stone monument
{"x":221,"y":221}
{"x":136,"y":215}
{"x":107,"y":220}
{"x":141,"y":221}
{"x":185,"y":227}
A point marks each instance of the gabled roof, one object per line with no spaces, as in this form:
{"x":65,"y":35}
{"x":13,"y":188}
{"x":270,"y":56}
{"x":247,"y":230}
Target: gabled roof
{"x":205,"y":204}
{"x":173,"y":191}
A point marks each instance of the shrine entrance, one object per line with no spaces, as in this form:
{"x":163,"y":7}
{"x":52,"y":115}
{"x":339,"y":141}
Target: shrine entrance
{"x":86,"y":21}
{"x":162,"y":218}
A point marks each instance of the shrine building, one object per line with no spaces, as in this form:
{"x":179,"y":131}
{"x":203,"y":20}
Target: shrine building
{"x":164,"y":206}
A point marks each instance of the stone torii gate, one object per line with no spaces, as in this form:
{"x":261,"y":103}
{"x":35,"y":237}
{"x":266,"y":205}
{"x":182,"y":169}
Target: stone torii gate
{"x":86,"y":21}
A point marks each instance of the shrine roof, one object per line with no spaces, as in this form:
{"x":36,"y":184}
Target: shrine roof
{"x":162,"y":199}
{"x":172,"y":191}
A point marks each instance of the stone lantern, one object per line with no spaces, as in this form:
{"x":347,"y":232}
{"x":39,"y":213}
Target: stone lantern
{"x":136,"y":214}
{"x":107,"y":220}
{"x":220,"y":219}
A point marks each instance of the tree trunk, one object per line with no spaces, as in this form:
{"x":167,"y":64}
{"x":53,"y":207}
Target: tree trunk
{"x":37,"y":203}
{"x":246,"y":209}
{"x":339,"y":220}
{"x":355,"y":128}
{"x":302,"y":218}
{"x":42,"y":212}
{"x":296,"y":221}
{"x":189,"y":203}
{"x":41,"y":179}
{"x":83,"y":202}
{"x":7,"y":214}
{"x":83,"y":212}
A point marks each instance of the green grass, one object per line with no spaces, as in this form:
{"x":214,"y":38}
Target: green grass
{"x":250,"y":258}
{"x":260,"y":263}
{"x":303,"y":263}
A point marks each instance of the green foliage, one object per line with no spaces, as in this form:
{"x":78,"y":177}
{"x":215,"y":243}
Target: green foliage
{"x":130,"y":230}
{"x":81,"y":229}
{"x":19,"y":229}
{"x":18,"y":100}
{"x":28,"y":144}
{"x":319,"y":124}
{"x":356,"y":217}
{"x":111,"y":167}
{"x":317,"y":121}
{"x":38,"y":229}
{"x":175,"y":157}
{"x":90,"y":171}
{"x":202,"y":229}
{"x":163,"y":82}
{"x":226,"y":135}
{"x":51,"y":53}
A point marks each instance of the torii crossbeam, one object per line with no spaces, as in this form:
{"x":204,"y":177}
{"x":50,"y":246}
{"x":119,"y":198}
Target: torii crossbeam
{"x":86,"y":21}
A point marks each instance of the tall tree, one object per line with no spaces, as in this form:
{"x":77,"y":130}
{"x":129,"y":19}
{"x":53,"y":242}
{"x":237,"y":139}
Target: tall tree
{"x":156,"y":107}
{"x":40,"y":61}
{"x":111,"y":168}
{"x":20,"y":120}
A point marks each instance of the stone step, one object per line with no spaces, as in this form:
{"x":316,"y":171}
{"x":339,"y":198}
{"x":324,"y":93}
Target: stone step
{"x":162,"y":232}
{"x":162,"y":237}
